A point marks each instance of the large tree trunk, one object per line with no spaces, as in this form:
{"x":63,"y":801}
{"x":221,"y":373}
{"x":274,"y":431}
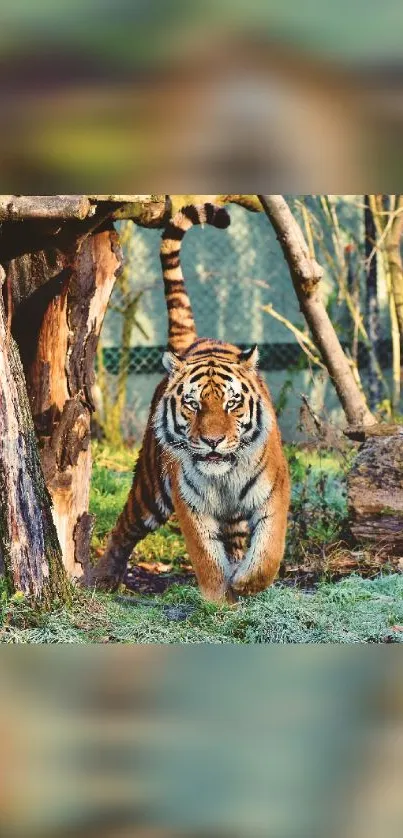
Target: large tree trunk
{"x":306,"y":275}
{"x":65,"y":316}
{"x":30,"y":555}
{"x":375,"y":488}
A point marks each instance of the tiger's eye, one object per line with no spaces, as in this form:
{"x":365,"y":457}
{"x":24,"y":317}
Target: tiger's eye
{"x":192,"y":404}
{"x":232,"y":403}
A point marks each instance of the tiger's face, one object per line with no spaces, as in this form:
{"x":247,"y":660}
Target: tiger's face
{"x":212,"y":412}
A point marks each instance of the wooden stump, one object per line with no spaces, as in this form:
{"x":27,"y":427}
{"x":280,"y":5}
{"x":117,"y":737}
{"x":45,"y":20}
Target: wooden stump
{"x":57,"y":326}
{"x":60,"y":380}
{"x":375,"y":488}
{"x":30,"y":555}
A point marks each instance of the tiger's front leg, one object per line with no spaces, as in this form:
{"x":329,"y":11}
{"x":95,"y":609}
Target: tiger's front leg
{"x":235,"y":536}
{"x":262,"y":560}
{"x":206,"y":551}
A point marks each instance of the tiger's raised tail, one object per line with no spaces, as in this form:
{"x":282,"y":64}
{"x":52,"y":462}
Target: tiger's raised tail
{"x":181,"y":325}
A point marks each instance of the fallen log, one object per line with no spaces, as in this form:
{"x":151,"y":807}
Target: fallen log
{"x":375,"y":488}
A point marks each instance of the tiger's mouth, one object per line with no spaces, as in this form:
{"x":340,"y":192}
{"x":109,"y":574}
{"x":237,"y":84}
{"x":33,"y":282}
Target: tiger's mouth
{"x":215,"y":457}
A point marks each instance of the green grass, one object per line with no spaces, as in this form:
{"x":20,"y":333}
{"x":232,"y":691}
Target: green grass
{"x":111,"y":480}
{"x":110,"y":484}
{"x":354,"y":610}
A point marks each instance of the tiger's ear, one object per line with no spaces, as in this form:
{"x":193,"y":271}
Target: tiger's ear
{"x":171,"y":362}
{"x":250,"y":357}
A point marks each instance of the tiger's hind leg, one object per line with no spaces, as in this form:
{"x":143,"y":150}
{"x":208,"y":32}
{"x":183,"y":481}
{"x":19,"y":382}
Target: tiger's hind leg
{"x":148,"y":506}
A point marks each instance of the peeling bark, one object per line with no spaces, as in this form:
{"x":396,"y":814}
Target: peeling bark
{"x":30,"y":554}
{"x":65,"y":316}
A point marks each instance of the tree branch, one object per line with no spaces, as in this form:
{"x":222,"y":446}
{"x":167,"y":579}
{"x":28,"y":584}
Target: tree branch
{"x":306,"y":274}
{"x":61,"y":207}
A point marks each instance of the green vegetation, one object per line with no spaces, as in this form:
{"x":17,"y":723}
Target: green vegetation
{"x":353,"y":610}
{"x":111,"y":480}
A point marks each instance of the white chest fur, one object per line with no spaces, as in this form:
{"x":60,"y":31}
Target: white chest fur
{"x":230,"y":494}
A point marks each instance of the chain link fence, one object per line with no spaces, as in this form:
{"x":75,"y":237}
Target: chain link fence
{"x":230,"y":275}
{"x":272,"y":356}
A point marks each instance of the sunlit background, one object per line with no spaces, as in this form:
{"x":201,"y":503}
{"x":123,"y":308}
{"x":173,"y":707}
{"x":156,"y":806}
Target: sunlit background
{"x":240,"y":291}
{"x":130,"y":96}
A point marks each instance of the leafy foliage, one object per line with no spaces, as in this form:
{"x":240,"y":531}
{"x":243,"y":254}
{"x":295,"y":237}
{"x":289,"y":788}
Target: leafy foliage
{"x":319,"y":506}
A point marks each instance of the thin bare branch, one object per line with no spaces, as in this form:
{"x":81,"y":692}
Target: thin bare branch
{"x":305,"y":342}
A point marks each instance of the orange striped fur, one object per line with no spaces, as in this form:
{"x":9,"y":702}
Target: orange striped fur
{"x":211,"y":451}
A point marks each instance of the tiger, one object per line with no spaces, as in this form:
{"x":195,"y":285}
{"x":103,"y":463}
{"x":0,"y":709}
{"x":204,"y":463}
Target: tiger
{"x":211,"y":453}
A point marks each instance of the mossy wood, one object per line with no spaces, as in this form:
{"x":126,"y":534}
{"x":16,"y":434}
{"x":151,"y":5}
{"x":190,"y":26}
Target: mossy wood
{"x":65,"y":314}
{"x":375,"y":489}
{"x":58,"y":284}
{"x":30,"y":555}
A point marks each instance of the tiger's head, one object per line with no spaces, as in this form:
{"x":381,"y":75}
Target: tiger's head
{"x":212,"y":411}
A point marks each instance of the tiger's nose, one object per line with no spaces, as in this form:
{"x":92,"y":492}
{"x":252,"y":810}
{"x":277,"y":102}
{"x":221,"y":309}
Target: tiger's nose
{"x":212,"y":441}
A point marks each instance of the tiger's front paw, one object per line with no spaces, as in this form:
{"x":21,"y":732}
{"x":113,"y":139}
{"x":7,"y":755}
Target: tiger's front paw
{"x":220,"y":594}
{"x":249,"y":581}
